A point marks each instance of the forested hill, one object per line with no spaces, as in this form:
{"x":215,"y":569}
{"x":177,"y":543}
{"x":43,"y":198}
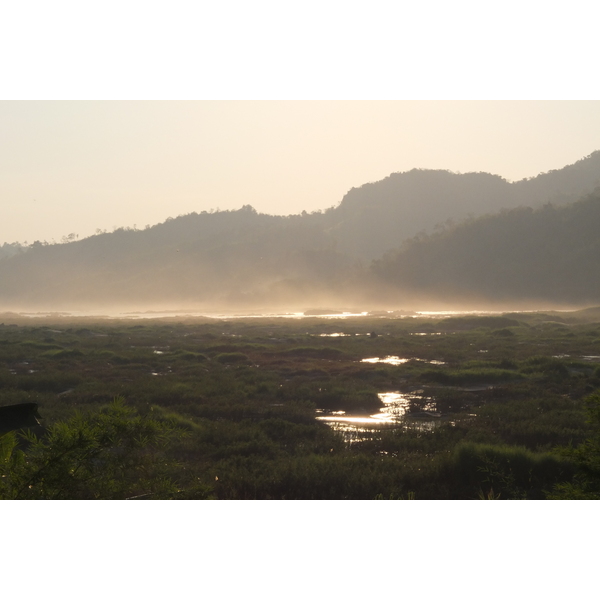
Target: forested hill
{"x":378,"y":216}
{"x":225,"y":257}
{"x":550,"y":254}
{"x":243,"y":258}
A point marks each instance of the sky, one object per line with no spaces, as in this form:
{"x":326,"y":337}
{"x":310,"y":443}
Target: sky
{"x":112,"y":116}
{"x":77,"y":166}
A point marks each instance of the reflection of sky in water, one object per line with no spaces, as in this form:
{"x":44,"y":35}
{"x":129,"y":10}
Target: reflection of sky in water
{"x":339,"y":334}
{"x":393,"y":413}
{"x":389,"y":360}
{"x":150,"y":314}
{"x":156,"y":314}
{"x":424,"y":333}
{"x":374,"y":419}
{"x":396,"y":360}
{"x":335,"y":334}
{"x":362,"y":432}
{"x":453,"y":313}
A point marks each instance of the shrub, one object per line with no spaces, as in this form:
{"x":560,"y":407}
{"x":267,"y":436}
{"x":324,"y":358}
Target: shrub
{"x":113,"y":453}
{"x":549,"y":366}
{"x":63,"y":353}
{"x":511,"y":472}
{"x":586,"y":484}
{"x":469,"y":376}
{"x":313,"y":352}
{"x":231,"y":357}
{"x":191,"y":356}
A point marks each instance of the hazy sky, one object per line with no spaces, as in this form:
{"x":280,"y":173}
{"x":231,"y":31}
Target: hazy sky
{"x":75,"y":166}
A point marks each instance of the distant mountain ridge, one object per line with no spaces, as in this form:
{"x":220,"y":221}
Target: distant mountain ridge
{"x":406,"y":204}
{"x":246,"y":258}
{"x":547,"y":254}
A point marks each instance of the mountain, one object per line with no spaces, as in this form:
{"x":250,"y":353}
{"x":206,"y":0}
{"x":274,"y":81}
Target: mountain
{"x":376,"y":217}
{"x":545,"y":254}
{"x":243,"y":258}
{"x":225,"y":257}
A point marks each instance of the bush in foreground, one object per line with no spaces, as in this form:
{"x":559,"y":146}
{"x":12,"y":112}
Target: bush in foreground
{"x":112,"y":453}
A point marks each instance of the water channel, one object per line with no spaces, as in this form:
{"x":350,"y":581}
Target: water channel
{"x":396,"y":412}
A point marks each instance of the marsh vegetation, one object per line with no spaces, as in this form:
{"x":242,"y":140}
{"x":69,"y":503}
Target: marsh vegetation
{"x":465,"y":408}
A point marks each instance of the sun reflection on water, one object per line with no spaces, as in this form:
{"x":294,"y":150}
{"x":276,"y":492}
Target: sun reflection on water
{"x":396,"y":360}
{"x":395,"y":413}
{"x":389,"y":360}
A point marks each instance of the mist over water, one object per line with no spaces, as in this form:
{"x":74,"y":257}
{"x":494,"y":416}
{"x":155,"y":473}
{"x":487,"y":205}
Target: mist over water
{"x":324,"y":314}
{"x":403,"y":244}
